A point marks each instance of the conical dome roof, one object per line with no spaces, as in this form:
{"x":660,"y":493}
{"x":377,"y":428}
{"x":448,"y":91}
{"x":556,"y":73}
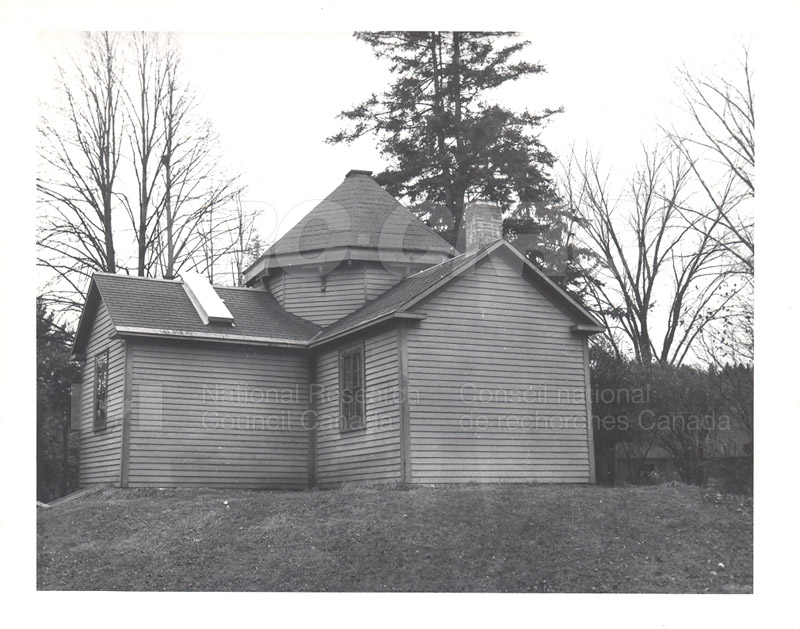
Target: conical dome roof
{"x":360,"y":214}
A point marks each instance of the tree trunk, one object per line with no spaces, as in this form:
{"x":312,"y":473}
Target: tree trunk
{"x":438,"y":112}
{"x":170,"y":270}
{"x":111,"y":262}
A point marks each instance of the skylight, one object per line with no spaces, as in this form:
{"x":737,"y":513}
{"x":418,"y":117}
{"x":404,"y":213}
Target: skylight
{"x":205,"y":299}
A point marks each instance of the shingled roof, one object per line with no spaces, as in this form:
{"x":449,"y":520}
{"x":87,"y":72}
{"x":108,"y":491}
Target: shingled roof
{"x":359,"y":213}
{"x":148,"y":307}
{"x":152,"y":307}
{"x":395,"y":301}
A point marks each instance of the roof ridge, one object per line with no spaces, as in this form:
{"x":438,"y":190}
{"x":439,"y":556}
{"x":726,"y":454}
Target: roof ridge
{"x":455,"y":261}
{"x":358,"y":213}
{"x":136,"y":277}
{"x":429,"y":280}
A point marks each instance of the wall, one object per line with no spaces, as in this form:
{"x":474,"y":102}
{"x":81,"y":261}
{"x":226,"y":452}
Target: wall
{"x":215,"y":415}
{"x":378,"y":279}
{"x":347,"y":287}
{"x":100,"y":451}
{"x":371,"y":454}
{"x":276,"y":286}
{"x":497,"y":384}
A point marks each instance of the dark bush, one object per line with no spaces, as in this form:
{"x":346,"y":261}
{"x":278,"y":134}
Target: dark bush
{"x":56,"y":446}
{"x":660,"y":421}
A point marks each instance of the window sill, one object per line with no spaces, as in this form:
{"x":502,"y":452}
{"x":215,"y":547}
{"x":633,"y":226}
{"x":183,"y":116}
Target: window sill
{"x":346,"y":431}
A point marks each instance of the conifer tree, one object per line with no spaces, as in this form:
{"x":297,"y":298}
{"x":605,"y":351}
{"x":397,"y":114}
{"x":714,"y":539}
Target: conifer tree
{"x":443,"y":138}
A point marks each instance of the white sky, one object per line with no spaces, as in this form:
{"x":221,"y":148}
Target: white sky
{"x":273,"y":98}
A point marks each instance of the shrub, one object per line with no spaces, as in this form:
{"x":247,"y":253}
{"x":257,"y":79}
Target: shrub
{"x":698,"y":419}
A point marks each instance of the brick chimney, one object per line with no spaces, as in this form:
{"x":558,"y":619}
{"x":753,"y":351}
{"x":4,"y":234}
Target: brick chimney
{"x":483,"y":223}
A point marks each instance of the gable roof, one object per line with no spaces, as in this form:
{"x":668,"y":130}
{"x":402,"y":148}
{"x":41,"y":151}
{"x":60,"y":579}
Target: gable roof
{"x":395,"y":302}
{"x":162,"y":308}
{"x":359,"y":213}
{"x":154,"y":307}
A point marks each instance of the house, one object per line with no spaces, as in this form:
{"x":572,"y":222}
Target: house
{"x":363,"y":348}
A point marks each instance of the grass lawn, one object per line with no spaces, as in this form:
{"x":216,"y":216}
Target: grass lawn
{"x":507,"y":538}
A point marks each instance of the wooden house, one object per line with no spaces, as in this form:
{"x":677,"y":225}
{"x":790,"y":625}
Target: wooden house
{"x":364,"y":348}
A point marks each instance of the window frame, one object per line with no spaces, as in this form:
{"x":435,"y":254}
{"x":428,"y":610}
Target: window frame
{"x":97,"y":422}
{"x":345,"y":423}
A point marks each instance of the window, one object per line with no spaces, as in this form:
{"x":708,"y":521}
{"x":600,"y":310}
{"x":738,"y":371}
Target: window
{"x":351,"y":390}
{"x":100,"y":390}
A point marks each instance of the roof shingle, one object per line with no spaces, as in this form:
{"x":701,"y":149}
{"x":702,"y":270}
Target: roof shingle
{"x":360,"y":213}
{"x":396,"y":297}
{"x":135,"y":302}
{"x":404,"y":294}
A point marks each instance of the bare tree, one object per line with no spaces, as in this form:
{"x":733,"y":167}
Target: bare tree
{"x":196,"y":192}
{"x":125,"y":136}
{"x":719,"y":146}
{"x":144,"y":102}
{"x":246,"y":242}
{"x":733,"y":339}
{"x":660,"y":277}
{"x":80,"y":149}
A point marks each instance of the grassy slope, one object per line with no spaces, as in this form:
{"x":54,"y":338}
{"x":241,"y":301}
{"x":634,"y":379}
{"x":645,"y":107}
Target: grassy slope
{"x":466,"y":538}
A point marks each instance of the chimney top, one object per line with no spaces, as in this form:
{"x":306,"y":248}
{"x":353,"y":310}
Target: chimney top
{"x":355,"y":172}
{"x":483,"y":223}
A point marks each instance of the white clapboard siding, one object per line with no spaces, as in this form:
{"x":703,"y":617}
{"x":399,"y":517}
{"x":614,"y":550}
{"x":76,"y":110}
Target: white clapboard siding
{"x":100,"y":450}
{"x":344,"y":292}
{"x":217,"y":416}
{"x":379,"y":279}
{"x":276,"y":286}
{"x":347,"y":287}
{"x":371,"y":454}
{"x":497,"y":385}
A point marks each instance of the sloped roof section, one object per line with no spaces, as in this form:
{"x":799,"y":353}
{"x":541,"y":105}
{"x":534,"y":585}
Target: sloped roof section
{"x":394,"y":299}
{"x":146,"y":306}
{"x":359,"y":213}
{"x":405,"y":294}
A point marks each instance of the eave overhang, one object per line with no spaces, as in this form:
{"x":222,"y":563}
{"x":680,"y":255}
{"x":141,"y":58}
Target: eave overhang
{"x":326,"y":260}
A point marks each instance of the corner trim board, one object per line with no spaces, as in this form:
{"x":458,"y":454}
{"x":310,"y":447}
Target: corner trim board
{"x":404,"y":410}
{"x":589,"y":426}
{"x":312,"y":429}
{"x":125,"y":440}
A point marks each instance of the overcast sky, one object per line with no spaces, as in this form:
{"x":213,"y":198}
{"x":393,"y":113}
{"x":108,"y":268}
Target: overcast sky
{"x":274,"y":98}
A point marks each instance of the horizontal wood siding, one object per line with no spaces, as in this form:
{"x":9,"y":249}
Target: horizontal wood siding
{"x":378,"y":279}
{"x":497,"y":386}
{"x":100,"y":450}
{"x":217,"y":416}
{"x":373,"y":453}
{"x":344,"y":293}
{"x":276,"y":286}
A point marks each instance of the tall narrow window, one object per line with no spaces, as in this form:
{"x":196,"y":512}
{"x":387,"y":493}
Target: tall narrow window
{"x":100,"y":390}
{"x":351,"y":391}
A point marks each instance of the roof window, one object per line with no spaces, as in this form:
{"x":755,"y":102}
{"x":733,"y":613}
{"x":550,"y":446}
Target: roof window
{"x":208,"y":304}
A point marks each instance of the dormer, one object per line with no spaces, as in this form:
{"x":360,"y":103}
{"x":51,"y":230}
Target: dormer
{"x":355,"y":245}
